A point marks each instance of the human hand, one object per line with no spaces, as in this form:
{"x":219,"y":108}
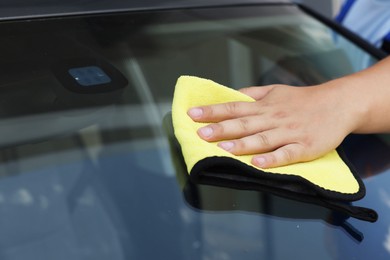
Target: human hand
{"x":284,"y":125}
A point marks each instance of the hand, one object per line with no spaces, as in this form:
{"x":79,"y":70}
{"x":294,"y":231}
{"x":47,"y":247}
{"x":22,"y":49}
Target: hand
{"x":284,"y":125}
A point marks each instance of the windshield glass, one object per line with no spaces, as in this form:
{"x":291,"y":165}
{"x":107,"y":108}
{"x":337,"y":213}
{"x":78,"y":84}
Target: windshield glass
{"x":87,"y":170}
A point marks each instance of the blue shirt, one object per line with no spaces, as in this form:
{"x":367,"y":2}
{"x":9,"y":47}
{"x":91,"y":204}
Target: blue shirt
{"x":369,"y":19}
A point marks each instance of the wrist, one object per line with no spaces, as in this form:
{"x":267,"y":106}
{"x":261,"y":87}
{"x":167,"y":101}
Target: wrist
{"x":347,"y":96}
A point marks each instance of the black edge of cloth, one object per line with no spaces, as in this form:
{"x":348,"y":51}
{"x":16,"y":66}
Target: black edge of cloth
{"x":227,"y":172}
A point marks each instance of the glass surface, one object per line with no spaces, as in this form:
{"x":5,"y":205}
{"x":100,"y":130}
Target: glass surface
{"x":92,"y":175}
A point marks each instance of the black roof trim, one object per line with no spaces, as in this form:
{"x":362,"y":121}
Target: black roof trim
{"x":57,"y":8}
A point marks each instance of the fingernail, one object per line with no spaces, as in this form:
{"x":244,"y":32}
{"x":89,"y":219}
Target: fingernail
{"x":206,"y":131}
{"x":195,"y":112}
{"x":226,"y":145}
{"x":259,"y":161}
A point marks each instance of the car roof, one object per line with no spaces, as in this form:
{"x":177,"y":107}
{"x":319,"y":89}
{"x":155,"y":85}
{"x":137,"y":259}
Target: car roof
{"x":22,"y":9}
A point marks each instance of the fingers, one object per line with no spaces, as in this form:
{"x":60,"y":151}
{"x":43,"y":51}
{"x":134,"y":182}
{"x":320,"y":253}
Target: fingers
{"x":220,"y":112}
{"x":271,"y":148}
{"x":265,"y":128}
{"x":234,"y":128}
{"x":260,"y":142}
{"x":285,"y":155}
{"x":230,"y":110}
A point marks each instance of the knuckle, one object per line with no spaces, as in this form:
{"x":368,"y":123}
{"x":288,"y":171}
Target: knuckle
{"x":231,"y":107}
{"x":272,"y":159}
{"x":218,"y":129}
{"x":243,"y":124}
{"x":208,"y":111}
{"x":307,"y":141}
{"x":240,"y":145}
{"x":263,"y":139}
{"x":280,"y":115}
{"x":288,"y":155}
{"x":293,"y":126}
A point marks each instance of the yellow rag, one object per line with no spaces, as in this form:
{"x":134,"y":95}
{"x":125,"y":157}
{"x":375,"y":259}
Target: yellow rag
{"x":329,"y":172}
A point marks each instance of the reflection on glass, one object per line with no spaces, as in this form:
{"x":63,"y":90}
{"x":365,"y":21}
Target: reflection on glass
{"x":90,"y":176}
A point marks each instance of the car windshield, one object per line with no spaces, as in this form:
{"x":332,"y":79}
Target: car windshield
{"x":87,"y":170}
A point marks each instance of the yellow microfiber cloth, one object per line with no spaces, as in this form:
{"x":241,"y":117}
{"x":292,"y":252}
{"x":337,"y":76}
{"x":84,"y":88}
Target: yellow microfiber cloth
{"x":328,"y":178}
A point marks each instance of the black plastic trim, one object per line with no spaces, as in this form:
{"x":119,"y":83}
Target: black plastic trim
{"x":120,"y":10}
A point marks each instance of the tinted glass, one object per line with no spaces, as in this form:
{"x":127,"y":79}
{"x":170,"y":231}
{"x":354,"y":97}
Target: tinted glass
{"x":87,"y":169}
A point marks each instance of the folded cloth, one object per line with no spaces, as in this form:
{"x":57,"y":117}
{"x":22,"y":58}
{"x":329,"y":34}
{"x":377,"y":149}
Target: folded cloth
{"x":328,"y":180}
